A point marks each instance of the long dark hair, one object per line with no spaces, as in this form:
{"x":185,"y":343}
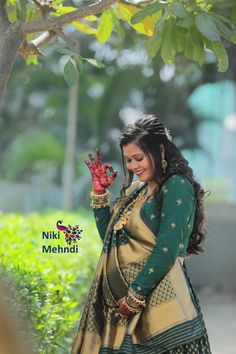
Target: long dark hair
{"x":148,"y":133}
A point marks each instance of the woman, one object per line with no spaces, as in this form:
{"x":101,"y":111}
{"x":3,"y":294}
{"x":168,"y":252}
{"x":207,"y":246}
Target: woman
{"x":141,"y":299}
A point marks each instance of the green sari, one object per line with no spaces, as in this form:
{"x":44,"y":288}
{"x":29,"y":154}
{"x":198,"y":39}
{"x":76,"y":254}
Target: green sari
{"x":172,"y":321}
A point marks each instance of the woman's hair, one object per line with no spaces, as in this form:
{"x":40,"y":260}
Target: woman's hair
{"x":148,"y":133}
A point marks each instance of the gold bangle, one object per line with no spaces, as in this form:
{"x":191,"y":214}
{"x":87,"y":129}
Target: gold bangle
{"x":134,"y":300}
{"x":129,"y":308}
{"x":140,"y":299}
{"x":99,"y":200}
{"x":99,"y":197}
{"x":98,"y":206}
{"x":131,"y":303}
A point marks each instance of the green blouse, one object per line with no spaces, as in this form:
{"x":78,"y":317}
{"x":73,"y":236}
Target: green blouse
{"x":172,"y":224}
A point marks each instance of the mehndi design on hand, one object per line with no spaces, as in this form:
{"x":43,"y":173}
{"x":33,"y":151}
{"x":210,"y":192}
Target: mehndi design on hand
{"x":100,"y":179}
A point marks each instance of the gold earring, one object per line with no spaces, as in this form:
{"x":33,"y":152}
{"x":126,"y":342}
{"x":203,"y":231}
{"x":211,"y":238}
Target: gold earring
{"x":164,"y":165}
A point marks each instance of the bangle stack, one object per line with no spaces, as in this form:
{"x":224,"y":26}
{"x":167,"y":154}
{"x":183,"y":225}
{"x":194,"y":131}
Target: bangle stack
{"x":99,"y":200}
{"x":129,"y":308}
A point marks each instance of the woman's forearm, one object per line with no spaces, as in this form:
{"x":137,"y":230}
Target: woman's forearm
{"x":102,"y":218}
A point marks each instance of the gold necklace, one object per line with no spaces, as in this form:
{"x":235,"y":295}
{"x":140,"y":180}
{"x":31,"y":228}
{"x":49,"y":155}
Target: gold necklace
{"x":129,"y":209}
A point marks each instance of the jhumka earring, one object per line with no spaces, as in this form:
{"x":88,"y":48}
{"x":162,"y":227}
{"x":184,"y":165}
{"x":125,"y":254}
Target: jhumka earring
{"x":164,"y":165}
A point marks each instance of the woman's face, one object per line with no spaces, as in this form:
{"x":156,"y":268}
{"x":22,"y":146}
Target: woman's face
{"x":137,"y":162}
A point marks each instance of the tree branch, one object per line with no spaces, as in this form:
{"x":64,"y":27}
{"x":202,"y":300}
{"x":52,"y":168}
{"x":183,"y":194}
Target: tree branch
{"x":44,"y":38}
{"x":32,"y":47}
{"x":74,"y":45}
{"x":58,"y":22}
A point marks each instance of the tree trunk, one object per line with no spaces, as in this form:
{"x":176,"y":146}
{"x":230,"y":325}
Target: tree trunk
{"x":10,"y":41}
{"x":70,"y":150}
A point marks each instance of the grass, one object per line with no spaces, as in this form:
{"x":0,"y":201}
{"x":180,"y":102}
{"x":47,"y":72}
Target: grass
{"x":48,"y":289}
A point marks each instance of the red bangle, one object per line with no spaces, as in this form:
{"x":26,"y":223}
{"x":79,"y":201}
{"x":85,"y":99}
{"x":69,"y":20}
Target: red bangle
{"x":126,"y":309}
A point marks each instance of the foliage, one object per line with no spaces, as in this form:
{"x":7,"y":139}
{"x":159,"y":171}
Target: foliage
{"x":189,"y":27}
{"x":130,"y":79}
{"x":31,"y":146}
{"x":49,"y":289}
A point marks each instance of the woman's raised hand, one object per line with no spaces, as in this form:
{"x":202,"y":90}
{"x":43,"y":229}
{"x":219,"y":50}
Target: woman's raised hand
{"x":100,"y":179}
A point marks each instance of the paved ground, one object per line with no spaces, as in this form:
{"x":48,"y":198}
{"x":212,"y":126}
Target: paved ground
{"x":219,"y":311}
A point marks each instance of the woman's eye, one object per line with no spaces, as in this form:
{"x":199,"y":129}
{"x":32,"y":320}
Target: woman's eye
{"x":140,"y":159}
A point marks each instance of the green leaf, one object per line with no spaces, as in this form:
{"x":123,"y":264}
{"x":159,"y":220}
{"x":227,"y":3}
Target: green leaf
{"x":125,"y":12}
{"x":179,"y":10}
{"x":84,"y":28}
{"x":63,"y":10}
{"x":168,"y":45}
{"x":91,"y":18}
{"x":21,"y":10}
{"x":31,"y":59}
{"x":180,"y":39}
{"x":222,"y":18}
{"x":66,"y":51}
{"x":79,"y":63}
{"x":194,"y":49}
{"x":118,"y":28}
{"x":70,"y":73}
{"x":105,"y":27}
{"x":219,"y":50}
{"x":153,"y":44}
{"x":207,"y":26}
{"x":225,"y":26}
{"x":157,"y":16}
{"x":94,"y":62}
{"x":186,"y":22}
{"x":225,"y":31}
{"x":147,"y":11}
{"x":80,"y":26}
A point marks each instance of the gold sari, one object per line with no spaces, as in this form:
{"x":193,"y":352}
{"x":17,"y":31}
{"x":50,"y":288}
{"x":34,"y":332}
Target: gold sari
{"x":172,"y":314}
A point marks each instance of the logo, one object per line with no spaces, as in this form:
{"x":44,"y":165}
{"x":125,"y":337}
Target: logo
{"x":72,"y":235}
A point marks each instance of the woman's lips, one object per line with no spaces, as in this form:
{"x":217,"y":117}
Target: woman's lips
{"x":138,"y":173}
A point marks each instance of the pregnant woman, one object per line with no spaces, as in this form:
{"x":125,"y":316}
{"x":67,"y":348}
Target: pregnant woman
{"x":141,"y":299}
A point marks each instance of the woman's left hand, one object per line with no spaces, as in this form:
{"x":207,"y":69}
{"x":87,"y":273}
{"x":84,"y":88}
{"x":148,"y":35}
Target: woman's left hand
{"x":124,"y":309}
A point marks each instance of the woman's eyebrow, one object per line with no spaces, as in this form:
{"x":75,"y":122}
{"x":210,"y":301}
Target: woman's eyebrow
{"x":132,"y":155}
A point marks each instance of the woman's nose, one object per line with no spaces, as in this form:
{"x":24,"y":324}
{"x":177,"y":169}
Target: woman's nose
{"x":134,"y":165}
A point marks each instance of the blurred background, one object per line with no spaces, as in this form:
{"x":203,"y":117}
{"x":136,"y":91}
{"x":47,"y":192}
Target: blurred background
{"x":48,"y":129}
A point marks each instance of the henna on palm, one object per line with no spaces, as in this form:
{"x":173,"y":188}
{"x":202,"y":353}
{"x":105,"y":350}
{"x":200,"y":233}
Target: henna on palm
{"x":100,"y":178}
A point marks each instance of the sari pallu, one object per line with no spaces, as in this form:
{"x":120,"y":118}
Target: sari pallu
{"x":172,"y":316}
